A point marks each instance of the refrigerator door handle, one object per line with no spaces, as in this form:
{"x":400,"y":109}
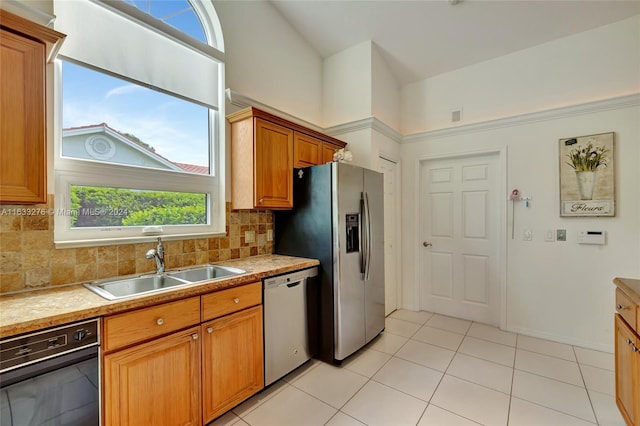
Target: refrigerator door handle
{"x":368,"y":231}
{"x":362,"y":249}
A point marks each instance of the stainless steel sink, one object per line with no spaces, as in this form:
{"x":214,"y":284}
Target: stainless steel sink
{"x":117,"y":289}
{"x":206,"y":273}
{"x":135,"y":286}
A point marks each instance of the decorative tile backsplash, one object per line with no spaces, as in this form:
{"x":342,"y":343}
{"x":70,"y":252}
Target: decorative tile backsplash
{"x":28,"y":258}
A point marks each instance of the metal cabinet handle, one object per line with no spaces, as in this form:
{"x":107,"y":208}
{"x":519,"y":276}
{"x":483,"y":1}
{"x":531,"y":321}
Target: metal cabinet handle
{"x":619,"y":307}
{"x":426,"y":244}
{"x":159,"y":321}
{"x":628,"y":341}
{"x":236,"y":300}
{"x":633,"y":348}
{"x":261,"y":200}
{"x":194,"y":336}
{"x":209,"y":330}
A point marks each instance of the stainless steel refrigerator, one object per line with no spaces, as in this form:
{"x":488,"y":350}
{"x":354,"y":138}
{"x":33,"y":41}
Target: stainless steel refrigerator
{"x":338,"y":219}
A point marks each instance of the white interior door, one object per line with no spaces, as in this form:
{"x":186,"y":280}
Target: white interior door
{"x":460,"y":237}
{"x":391,"y":223}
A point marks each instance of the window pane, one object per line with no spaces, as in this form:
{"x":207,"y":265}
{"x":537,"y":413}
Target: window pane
{"x":96,"y":206}
{"x":110,"y":120}
{"x":177,"y":13}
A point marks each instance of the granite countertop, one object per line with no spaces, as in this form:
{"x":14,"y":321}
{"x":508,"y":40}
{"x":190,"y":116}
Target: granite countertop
{"x":33,"y":310}
{"x":631,"y":287}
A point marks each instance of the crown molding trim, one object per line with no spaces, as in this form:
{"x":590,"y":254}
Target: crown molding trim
{"x":625,"y":101}
{"x":373,"y":123}
{"x":366,"y":123}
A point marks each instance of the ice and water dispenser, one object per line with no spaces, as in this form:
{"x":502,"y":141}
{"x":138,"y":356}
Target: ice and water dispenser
{"x":353,"y":232}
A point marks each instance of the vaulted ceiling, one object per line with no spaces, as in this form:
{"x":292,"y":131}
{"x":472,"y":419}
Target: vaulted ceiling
{"x":423,"y":38}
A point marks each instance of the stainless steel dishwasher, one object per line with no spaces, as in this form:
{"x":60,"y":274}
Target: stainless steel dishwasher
{"x":286,"y":323}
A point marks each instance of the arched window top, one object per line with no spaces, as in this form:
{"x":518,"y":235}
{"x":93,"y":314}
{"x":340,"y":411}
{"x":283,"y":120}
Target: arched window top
{"x":180,"y":14}
{"x":197,"y":19}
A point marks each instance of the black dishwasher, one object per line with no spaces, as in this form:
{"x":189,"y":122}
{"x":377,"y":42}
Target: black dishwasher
{"x":50,"y":377}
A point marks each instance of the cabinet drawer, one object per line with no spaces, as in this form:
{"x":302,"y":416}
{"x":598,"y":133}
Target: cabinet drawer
{"x":231,"y":300}
{"x":626,"y":308}
{"x":131,"y":327}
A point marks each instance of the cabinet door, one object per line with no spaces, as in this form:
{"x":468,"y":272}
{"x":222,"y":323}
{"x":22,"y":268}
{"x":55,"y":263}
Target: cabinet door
{"x":627,"y":372}
{"x":307,"y":151}
{"x":274,"y":166}
{"x":232,"y":361}
{"x":327,"y":152}
{"x":156,"y":383}
{"x":22,"y":122}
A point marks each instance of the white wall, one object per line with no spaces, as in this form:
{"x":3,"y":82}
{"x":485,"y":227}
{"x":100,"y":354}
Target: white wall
{"x":557,"y":290}
{"x":347,"y":85}
{"x":596,"y":64}
{"x":385,"y":91}
{"x":561,"y":291}
{"x":267,"y":60}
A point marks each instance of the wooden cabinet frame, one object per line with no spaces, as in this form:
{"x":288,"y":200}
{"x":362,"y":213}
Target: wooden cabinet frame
{"x":627,"y":354}
{"x":25,"y":48}
{"x":264,"y":151}
{"x":183,"y":362}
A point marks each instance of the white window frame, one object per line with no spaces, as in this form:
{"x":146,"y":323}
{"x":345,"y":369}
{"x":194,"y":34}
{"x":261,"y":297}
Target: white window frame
{"x":72,"y":171}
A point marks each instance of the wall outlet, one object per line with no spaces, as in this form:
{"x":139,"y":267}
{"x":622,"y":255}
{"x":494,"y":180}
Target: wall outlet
{"x":550,"y":235}
{"x":528,"y":234}
{"x":250,"y":236}
{"x":269,"y":234}
{"x":561,"y":234}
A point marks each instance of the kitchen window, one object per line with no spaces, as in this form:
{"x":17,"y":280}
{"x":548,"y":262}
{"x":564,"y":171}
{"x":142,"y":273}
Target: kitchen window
{"x":139,"y":138}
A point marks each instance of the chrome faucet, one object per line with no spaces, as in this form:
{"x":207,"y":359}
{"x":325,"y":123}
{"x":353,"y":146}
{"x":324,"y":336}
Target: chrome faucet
{"x":158,"y":255}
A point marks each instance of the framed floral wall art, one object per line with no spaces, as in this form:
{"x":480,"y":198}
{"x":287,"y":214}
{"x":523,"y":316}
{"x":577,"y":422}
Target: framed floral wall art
{"x":587,"y":171}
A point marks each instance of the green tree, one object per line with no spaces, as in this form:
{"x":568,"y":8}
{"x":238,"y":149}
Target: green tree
{"x":99,"y":206}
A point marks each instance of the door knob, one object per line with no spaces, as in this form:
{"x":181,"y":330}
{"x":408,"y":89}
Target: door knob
{"x":426,"y":244}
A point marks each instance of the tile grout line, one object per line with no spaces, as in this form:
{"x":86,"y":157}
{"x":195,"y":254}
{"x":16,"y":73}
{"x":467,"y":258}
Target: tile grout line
{"x":593,"y":409}
{"x":448,"y":366}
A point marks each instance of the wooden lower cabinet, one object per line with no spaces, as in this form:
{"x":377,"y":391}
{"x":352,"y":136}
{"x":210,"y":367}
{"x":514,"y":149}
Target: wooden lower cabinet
{"x":232,"y":360}
{"x":627,"y":355}
{"x":184,"y":362}
{"x":155,"y":383}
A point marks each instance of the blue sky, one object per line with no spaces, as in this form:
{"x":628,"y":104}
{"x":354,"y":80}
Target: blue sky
{"x":177,"y":129}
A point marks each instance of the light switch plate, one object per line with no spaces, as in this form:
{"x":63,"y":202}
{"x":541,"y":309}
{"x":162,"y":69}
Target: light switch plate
{"x":528,"y":235}
{"x":269,"y":234}
{"x":561,"y":234}
{"x":249,"y":236}
{"x":550,"y":235}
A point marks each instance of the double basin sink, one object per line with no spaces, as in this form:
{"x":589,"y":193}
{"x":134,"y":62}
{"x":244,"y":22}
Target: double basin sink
{"x":114,"y":289}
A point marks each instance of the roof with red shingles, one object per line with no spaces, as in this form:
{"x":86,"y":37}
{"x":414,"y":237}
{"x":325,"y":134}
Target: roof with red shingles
{"x":191,"y":168}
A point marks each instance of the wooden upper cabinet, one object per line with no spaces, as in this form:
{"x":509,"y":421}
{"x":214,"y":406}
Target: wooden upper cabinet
{"x":24,"y":48}
{"x":307,"y":150}
{"x":328,"y":150}
{"x":273,"y":164}
{"x":261,"y":165}
{"x":264,"y":151}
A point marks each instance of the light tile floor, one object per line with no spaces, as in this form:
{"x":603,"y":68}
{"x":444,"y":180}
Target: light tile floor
{"x":429,"y":369}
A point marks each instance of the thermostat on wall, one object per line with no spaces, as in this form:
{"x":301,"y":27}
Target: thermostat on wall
{"x":591,"y":237}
